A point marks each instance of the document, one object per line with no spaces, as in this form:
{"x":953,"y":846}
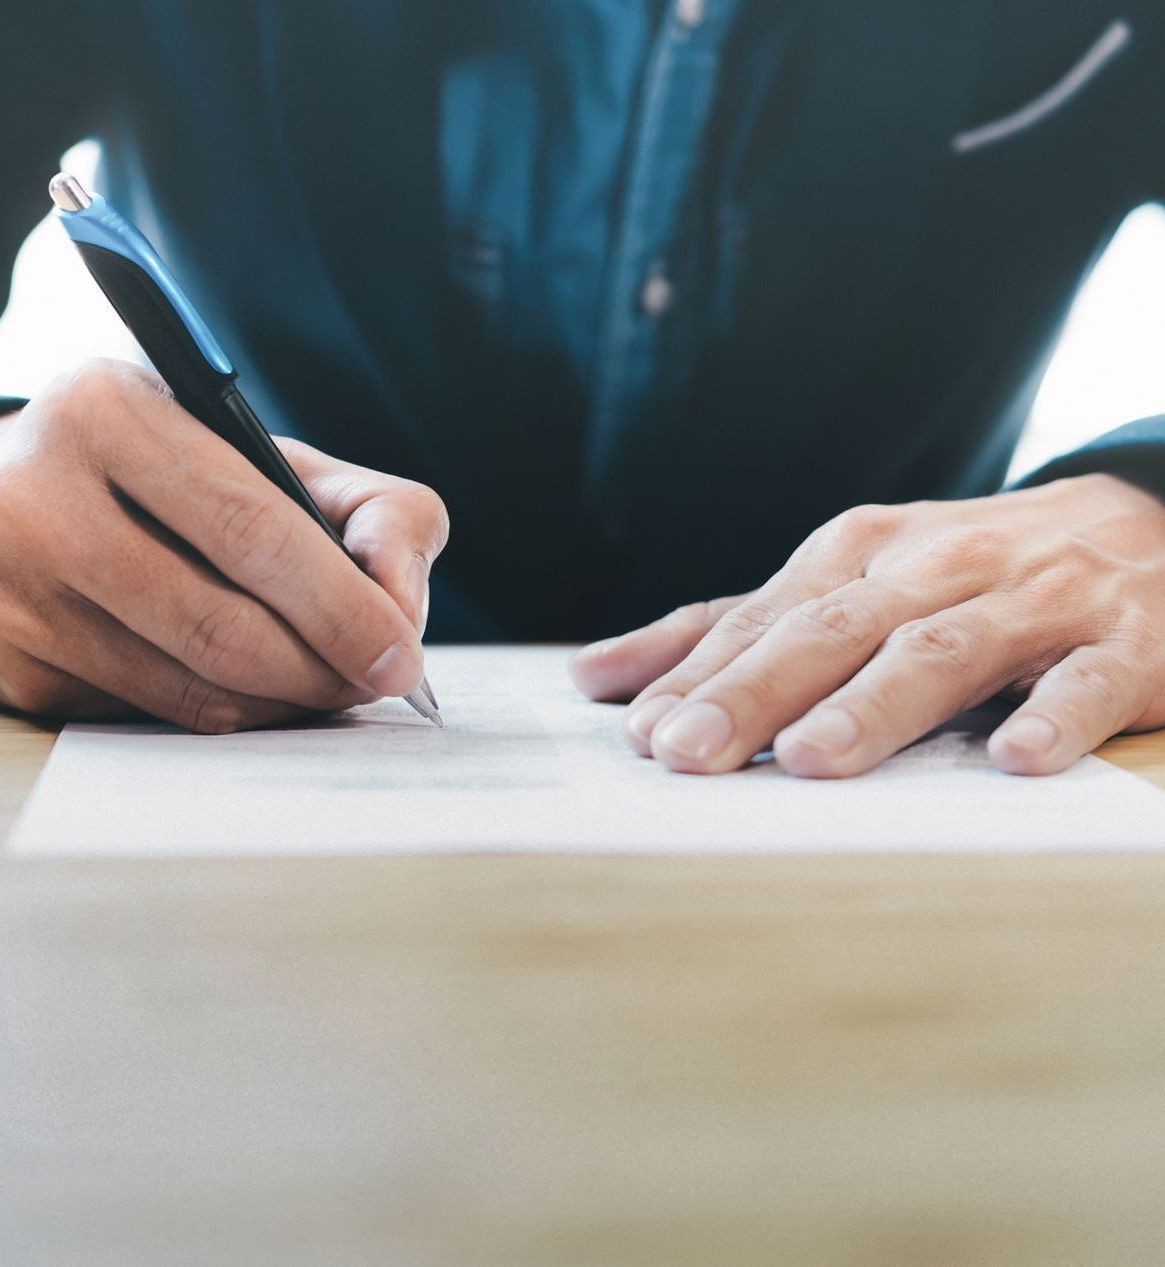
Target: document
{"x":527,"y":764}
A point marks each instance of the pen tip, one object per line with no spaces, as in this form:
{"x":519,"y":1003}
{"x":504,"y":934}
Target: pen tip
{"x":427,"y":691}
{"x":420,"y":704}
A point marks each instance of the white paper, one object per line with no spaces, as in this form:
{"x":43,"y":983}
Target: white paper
{"x":527,"y":764}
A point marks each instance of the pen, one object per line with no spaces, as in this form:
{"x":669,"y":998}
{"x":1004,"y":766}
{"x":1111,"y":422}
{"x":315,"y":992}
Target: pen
{"x":182,"y":348}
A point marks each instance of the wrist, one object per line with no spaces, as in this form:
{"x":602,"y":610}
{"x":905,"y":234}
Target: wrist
{"x":1101,"y":488}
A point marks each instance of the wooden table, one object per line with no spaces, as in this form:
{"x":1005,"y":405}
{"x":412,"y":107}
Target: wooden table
{"x":558,"y":1062}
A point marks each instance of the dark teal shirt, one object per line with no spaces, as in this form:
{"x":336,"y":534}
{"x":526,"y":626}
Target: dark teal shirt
{"x":645,"y":290}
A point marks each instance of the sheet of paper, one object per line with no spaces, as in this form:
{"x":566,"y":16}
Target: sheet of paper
{"x":526,"y":764}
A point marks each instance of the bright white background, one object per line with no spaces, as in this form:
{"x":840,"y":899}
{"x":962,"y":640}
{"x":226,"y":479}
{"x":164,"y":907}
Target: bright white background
{"x":1109,"y":368}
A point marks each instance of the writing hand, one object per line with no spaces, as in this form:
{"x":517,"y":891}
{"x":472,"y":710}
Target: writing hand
{"x":146,"y":566}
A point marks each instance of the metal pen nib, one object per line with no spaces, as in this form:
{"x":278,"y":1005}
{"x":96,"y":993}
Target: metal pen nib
{"x":420,"y":702}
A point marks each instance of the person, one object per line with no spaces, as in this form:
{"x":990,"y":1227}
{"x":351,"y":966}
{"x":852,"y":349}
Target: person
{"x":662,"y":299}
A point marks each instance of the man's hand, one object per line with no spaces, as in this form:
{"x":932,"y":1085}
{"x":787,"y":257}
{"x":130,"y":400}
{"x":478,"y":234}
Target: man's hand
{"x":892,"y":619}
{"x":146,"y":566}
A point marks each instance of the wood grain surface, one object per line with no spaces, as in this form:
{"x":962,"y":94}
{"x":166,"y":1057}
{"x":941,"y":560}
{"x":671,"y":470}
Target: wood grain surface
{"x":583,"y":1062}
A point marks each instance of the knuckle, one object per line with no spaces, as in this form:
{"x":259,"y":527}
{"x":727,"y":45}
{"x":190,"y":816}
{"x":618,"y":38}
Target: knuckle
{"x":425,"y":511}
{"x":1061,"y":568}
{"x":837,"y":620}
{"x":1049,"y":583}
{"x":746,"y":623}
{"x":76,"y":409}
{"x":95,"y":383}
{"x":220,"y":638}
{"x":209,"y":710}
{"x":859,"y":525}
{"x":432,"y":510}
{"x":946,"y":642}
{"x":254,"y":537}
{"x":89,"y":404}
{"x":1091,"y":589}
{"x":1093,"y":681}
{"x":965,"y":548}
{"x":1083,"y":555}
{"x":1139,"y":629}
{"x":101,"y":387}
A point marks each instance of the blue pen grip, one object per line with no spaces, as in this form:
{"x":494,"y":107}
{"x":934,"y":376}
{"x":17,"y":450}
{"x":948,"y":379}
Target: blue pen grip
{"x":164,"y":336}
{"x":100,"y":228}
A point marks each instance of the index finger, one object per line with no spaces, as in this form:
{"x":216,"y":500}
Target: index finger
{"x":830,"y":558}
{"x":393,"y":527}
{"x":200,"y":488}
{"x":807,"y":654}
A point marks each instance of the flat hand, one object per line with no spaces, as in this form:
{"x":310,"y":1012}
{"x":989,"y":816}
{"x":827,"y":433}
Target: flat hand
{"x":146,"y":566}
{"x":888,"y":621}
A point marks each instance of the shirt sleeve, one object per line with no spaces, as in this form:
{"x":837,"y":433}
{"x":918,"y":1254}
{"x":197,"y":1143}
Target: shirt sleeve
{"x":1135,"y":452}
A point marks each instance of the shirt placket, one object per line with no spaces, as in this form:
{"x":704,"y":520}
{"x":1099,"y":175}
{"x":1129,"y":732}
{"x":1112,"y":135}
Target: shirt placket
{"x":642,"y":288}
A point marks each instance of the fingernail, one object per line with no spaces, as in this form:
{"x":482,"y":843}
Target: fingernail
{"x":397,"y":671}
{"x":830,"y":730}
{"x":696,"y":732}
{"x":1031,"y":734}
{"x":643,"y":718}
{"x":417,"y":582}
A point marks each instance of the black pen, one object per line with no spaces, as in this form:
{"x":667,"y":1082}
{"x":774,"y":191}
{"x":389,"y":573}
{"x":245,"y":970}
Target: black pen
{"x":182,"y":348}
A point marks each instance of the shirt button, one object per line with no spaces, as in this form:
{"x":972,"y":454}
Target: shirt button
{"x":657,"y":297}
{"x":690,"y":13}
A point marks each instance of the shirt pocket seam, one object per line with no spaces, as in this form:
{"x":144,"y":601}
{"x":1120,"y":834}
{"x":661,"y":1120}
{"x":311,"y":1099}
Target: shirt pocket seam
{"x":1111,"y":45}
